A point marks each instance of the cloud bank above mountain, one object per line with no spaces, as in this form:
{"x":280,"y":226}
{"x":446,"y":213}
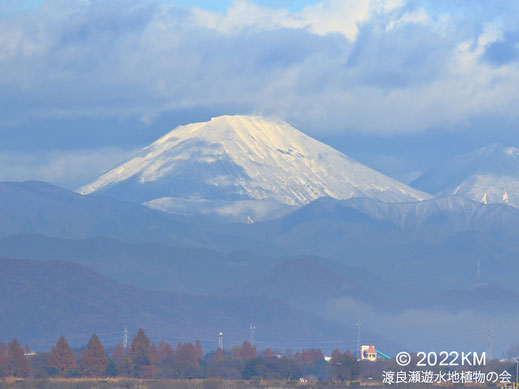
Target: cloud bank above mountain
{"x":90,"y":75}
{"x":332,"y":65}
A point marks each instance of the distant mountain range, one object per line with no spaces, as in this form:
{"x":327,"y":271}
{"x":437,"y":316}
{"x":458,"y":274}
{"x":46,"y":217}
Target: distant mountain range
{"x":440,"y":241}
{"x":248,"y":168}
{"x":488,"y":175}
{"x":37,"y":207}
{"x":310,"y":282}
{"x":245,"y":167}
{"x":436,"y":242}
{"x":153,"y":266}
{"x":42,"y":300}
{"x":331,"y":240}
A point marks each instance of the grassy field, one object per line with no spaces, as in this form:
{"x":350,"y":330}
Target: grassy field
{"x":127,"y":383}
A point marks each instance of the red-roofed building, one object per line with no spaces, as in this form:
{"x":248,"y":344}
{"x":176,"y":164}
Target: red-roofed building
{"x":368,"y":352}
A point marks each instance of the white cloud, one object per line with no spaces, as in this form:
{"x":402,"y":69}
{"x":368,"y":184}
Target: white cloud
{"x":492,"y":32}
{"x":67,"y":169}
{"x":370,"y":66}
{"x":328,"y":16}
{"x":336,"y":16}
{"x":418,"y":16}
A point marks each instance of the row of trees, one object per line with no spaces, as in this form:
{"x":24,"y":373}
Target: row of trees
{"x":92,"y":362}
{"x":146,"y":360}
{"x":13,"y":361}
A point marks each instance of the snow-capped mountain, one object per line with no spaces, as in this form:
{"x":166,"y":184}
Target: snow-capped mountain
{"x":237,"y":159}
{"x":488,"y":175}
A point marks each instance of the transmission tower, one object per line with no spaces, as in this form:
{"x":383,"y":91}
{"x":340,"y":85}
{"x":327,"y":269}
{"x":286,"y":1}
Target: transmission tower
{"x":252,"y":329}
{"x":125,"y":338}
{"x":490,"y":339}
{"x":478,"y":272}
{"x":220,"y":341}
{"x":359,"y":341}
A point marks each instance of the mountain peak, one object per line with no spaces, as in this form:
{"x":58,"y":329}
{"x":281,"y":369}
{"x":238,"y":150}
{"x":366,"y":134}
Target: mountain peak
{"x":241,"y":120}
{"x":243,"y":158}
{"x":225,"y":125}
{"x":489,"y":175}
{"x":495,"y":149}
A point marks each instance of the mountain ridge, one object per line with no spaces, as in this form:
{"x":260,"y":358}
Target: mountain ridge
{"x":488,"y":175}
{"x":237,"y":158}
{"x":47,"y":299}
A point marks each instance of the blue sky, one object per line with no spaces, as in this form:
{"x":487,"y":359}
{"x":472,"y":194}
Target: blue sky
{"x":392,"y":83}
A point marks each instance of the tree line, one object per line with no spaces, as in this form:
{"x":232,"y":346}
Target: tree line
{"x":185,"y":361}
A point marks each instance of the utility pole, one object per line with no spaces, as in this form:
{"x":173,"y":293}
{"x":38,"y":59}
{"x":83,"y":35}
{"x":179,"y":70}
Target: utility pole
{"x":252,"y":329}
{"x":359,"y":341}
{"x":125,"y":339}
{"x":220,"y":341}
{"x":490,"y":339}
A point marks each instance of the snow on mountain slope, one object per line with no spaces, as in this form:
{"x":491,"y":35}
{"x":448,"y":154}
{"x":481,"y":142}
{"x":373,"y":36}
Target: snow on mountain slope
{"x":488,"y":175}
{"x":236,"y":158}
{"x":228,"y":211}
{"x":458,"y":213}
